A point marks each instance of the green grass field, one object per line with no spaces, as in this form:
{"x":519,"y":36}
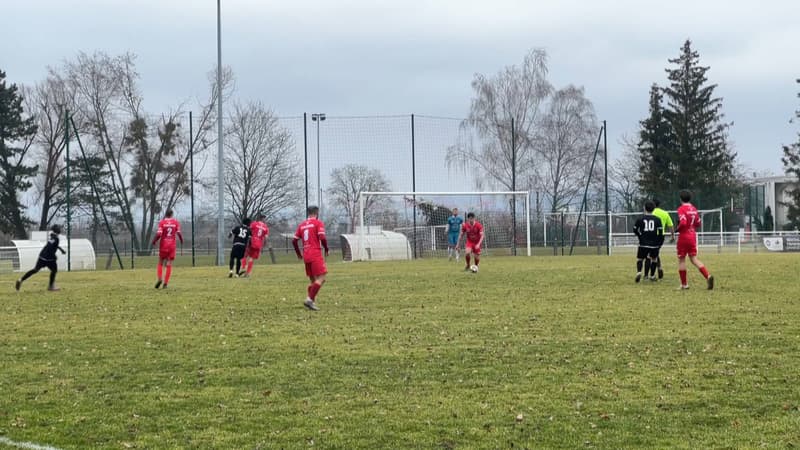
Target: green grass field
{"x":529,"y":353}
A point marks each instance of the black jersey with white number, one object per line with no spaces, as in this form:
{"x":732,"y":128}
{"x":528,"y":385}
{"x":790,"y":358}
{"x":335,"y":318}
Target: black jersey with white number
{"x":650,"y":231}
{"x":241,"y":235}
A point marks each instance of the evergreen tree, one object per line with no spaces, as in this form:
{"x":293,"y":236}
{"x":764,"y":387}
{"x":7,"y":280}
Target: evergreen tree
{"x":16,"y":137}
{"x":703,"y":159}
{"x":656,"y":149}
{"x":694,"y":153}
{"x":791,"y":166}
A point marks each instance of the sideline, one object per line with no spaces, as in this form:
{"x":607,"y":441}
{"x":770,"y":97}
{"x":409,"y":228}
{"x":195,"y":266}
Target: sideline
{"x":27,"y":445}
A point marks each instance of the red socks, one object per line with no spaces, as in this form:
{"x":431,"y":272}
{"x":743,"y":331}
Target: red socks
{"x":477,"y":260}
{"x":250,"y":266}
{"x":313,"y":290}
{"x":169,"y":273}
{"x":160,"y":270}
{"x":683,"y":277}
{"x":704,"y":271}
{"x":466,"y":257}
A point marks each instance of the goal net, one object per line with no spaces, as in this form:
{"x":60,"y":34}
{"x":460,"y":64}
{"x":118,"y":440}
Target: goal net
{"x":409,"y":225}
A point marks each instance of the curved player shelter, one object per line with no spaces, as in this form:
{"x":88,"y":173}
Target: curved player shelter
{"x":23,"y":255}
{"x":379,"y":245}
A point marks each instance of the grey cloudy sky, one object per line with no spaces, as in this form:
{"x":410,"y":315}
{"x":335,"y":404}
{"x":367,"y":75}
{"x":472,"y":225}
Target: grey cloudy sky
{"x":362,"y":57}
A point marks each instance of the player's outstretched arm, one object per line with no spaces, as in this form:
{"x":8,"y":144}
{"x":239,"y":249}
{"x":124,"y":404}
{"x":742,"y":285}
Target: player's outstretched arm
{"x":324,"y":243}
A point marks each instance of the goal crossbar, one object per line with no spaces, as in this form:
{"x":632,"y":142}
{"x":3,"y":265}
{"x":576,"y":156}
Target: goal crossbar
{"x":362,"y":204}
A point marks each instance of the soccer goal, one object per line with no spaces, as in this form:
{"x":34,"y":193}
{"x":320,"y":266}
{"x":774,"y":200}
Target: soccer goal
{"x":710,"y":234}
{"x":422,"y":219}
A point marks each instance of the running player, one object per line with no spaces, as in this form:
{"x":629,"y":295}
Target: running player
{"x":168,"y":229}
{"x":473,"y":230}
{"x":47,"y":258}
{"x":454,"y":223}
{"x":241,"y":236}
{"x":651,"y":237}
{"x":666,"y":222}
{"x":688,"y":222}
{"x":312,"y":232}
{"x":259,"y":232}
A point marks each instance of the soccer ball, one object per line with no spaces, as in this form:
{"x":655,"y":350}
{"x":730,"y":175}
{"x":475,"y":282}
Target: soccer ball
{"x":474,"y":268}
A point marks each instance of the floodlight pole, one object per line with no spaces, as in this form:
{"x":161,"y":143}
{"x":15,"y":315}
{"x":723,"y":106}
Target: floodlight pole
{"x":69,"y":207}
{"x":220,"y":180}
{"x":318,"y":117}
{"x":605,"y":170}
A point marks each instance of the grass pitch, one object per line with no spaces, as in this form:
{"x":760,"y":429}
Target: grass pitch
{"x":529,"y":353}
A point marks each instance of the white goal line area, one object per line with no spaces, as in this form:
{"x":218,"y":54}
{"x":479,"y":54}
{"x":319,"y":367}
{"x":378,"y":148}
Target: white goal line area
{"x":26,"y":445}
{"x":505,"y":215}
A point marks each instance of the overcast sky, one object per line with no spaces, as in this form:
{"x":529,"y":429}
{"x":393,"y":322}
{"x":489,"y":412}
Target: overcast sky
{"x":373,"y":57}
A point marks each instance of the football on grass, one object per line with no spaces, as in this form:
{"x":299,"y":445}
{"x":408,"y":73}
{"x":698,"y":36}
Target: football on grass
{"x":474,"y":268}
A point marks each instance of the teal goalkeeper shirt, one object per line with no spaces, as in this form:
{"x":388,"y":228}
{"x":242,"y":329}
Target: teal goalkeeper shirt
{"x":454,"y":224}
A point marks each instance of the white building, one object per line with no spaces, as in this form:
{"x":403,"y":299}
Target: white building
{"x":773,"y":192}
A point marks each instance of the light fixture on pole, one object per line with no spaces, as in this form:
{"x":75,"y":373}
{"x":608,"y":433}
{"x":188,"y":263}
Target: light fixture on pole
{"x":318,"y":117}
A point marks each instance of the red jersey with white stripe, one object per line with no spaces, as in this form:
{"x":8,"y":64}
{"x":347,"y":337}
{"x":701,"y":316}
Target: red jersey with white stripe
{"x":688,"y":222}
{"x":310,"y":231}
{"x":259,"y":232}
{"x":169,"y":229}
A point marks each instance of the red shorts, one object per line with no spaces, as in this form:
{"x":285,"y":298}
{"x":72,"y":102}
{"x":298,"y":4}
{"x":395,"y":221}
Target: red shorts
{"x":251,"y":252}
{"x":166,"y":253}
{"x":687,"y":248}
{"x":316,"y":268}
{"x":473,"y":246}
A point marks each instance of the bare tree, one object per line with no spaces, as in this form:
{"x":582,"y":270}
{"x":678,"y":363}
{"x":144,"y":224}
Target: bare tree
{"x":565,"y":145}
{"x":516,"y":93}
{"x":623,"y":178}
{"x":347,"y":184}
{"x":262,"y":169}
{"x":49,"y":101}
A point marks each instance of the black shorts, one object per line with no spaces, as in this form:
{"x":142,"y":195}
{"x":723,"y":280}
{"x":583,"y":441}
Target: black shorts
{"x":237,"y":251}
{"x":41,"y":264}
{"x":645,"y":252}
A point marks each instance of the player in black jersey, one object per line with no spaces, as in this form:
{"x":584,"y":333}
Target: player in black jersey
{"x":47,"y":258}
{"x":241,"y":236}
{"x":651,"y":237}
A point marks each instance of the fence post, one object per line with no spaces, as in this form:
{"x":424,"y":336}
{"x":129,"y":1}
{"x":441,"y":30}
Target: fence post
{"x":414,"y":185}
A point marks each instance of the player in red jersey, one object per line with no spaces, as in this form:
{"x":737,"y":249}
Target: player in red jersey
{"x":259,"y":232}
{"x":473,"y":230}
{"x":688,"y":222}
{"x":168,"y":230}
{"x":312,"y":232}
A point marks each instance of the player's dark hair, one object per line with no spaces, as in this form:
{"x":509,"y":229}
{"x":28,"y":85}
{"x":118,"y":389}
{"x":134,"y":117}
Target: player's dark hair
{"x":246,"y":221}
{"x":56,"y":229}
{"x":261,"y":216}
{"x":657,"y":202}
{"x":470,"y":215}
{"x":312,"y":210}
{"x":649,"y":206}
{"x":168,"y":213}
{"x":686,"y":196}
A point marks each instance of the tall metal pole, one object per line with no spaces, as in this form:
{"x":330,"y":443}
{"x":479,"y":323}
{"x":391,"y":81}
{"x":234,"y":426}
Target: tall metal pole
{"x":69,"y":207}
{"x":191,"y":176}
{"x":319,"y":186}
{"x":414,"y":183}
{"x":605,"y":155}
{"x":305,"y":153}
{"x":220,"y":183}
{"x":513,"y":188}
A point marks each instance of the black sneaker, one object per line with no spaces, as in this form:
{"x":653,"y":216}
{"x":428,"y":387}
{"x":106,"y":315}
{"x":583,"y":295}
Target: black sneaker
{"x":638,"y":276}
{"x":165,"y":286}
{"x":710,"y":282}
{"x":158,"y":284}
{"x":230,"y":274}
{"x":18,"y":284}
{"x":660,"y":273}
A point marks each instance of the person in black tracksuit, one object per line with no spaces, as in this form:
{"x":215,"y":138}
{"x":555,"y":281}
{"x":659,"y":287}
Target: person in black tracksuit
{"x":241,"y":236}
{"x":47,"y":258}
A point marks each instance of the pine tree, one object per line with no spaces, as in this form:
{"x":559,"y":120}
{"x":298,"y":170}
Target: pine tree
{"x":791,"y":166}
{"x":702,"y":160}
{"x":656,"y":148}
{"x":16,"y":137}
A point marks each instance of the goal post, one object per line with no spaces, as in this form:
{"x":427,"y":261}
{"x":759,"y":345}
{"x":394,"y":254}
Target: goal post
{"x":421,"y":217}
